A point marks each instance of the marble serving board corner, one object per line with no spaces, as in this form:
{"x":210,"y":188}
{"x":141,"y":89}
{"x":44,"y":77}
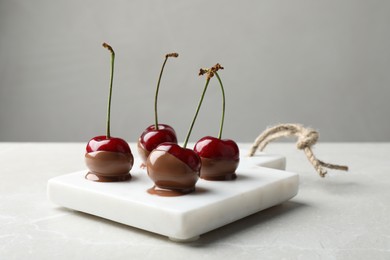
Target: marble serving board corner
{"x":261,"y":183}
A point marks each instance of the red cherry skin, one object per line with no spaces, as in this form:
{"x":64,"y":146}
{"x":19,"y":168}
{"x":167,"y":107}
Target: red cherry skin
{"x":112,"y":144}
{"x":214,"y":148}
{"x":151,"y":137}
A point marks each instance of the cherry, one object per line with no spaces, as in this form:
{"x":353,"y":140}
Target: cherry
{"x":157,"y":133}
{"x":152,"y":137}
{"x":108,"y":158}
{"x":174,"y":170}
{"x":220,"y":157}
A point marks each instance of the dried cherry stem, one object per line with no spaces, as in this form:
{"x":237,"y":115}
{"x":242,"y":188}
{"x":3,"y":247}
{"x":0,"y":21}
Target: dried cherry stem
{"x":175,"y":55}
{"x":105,"y":45}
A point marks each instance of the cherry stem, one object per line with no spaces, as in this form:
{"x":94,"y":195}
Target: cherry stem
{"x":196,"y":113}
{"x":223,"y":105}
{"x":158,"y":87}
{"x":105,"y":45}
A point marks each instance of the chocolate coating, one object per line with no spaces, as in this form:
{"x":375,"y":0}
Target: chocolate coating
{"x":108,"y":166}
{"x":143,"y":153}
{"x":170,"y":173}
{"x":218,"y":169}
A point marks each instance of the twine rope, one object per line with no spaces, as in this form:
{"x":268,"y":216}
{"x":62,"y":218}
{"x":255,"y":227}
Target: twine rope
{"x":307,"y":137}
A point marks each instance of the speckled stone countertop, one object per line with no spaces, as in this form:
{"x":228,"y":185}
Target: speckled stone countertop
{"x":342,"y":216}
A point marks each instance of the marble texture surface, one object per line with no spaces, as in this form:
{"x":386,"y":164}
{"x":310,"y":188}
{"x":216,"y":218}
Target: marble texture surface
{"x":182,"y":218}
{"x":344,"y":216}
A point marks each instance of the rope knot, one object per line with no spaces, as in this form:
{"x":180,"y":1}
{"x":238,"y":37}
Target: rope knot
{"x":307,"y":138}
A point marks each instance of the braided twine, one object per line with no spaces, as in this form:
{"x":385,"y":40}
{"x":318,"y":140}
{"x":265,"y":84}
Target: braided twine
{"x":307,"y":137}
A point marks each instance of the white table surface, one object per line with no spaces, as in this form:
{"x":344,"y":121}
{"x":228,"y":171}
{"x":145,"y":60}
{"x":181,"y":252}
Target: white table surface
{"x":343,"y":216}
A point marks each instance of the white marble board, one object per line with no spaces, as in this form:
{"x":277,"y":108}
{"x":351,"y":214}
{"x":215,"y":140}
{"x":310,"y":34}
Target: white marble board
{"x":261,"y":183}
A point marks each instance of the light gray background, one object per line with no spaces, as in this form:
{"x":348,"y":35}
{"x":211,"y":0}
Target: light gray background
{"x":324,"y":64}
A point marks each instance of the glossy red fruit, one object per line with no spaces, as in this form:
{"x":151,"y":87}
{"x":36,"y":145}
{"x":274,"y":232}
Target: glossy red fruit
{"x":212,"y":147}
{"x":108,"y":159}
{"x":220,"y":158}
{"x":152,"y":137}
{"x":174,"y":168}
{"x":112,"y":144}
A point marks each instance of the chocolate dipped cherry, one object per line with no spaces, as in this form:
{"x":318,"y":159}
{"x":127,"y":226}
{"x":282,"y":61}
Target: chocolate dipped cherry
{"x":173,"y":169}
{"x":220,"y":157}
{"x":157,"y":133}
{"x":108,"y":158}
